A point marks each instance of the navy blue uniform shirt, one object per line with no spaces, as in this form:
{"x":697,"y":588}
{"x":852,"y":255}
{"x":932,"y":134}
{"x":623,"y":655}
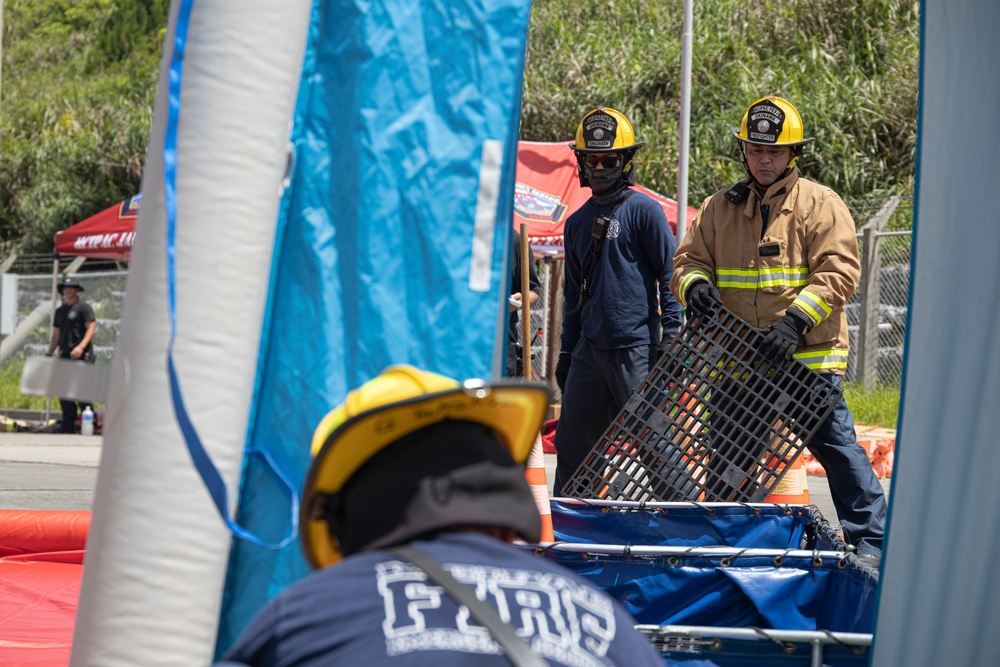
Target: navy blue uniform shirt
{"x":372,"y":609}
{"x":630,"y":296}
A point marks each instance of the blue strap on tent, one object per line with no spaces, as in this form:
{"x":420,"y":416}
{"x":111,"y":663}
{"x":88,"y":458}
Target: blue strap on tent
{"x":203,"y":463}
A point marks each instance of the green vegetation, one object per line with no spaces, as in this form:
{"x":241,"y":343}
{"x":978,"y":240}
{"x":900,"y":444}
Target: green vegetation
{"x":79,"y":77}
{"x":879,"y":406}
{"x":11,"y":397}
{"x":849,"y":66}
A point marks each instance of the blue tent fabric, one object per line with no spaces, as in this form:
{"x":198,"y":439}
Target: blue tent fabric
{"x":694,"y":524}
{"x":393,"y":238}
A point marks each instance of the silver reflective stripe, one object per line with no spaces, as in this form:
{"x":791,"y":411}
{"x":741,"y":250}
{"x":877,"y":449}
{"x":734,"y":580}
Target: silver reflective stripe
{"x":814,"y":306}
{"x":486,"y":213}
{"x":795,"y":276}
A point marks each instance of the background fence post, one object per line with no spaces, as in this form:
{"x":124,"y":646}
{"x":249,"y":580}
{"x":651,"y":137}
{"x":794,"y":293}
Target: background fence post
{"x":871,"y":269}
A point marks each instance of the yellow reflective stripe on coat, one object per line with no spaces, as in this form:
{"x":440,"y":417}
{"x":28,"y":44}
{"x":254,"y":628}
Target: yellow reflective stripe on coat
{"x":813,"y":306}
{"x":824,"y":360}
{"x":768,"y":276}
{"x":688,"y":280}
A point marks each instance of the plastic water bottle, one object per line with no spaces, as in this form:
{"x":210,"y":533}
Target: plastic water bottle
{"x":87,"y":421}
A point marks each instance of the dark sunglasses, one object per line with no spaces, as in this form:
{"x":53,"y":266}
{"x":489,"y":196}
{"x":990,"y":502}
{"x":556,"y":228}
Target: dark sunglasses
{"x":605,"y":161}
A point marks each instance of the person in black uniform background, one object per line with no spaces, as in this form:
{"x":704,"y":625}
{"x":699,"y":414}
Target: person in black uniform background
{"x":72,"y":334}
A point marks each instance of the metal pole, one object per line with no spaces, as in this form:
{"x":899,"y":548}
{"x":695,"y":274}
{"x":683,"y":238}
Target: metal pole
{"x":1,"y":43}
{"x":685,"y":122}
{"x":870,"y":298}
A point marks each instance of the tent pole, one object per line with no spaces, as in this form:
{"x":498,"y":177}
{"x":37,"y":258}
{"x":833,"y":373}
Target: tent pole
{"x":685,"y":122}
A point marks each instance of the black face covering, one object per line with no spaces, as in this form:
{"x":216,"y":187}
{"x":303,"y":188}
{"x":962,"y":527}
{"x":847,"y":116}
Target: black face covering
{"x":604,"y":181}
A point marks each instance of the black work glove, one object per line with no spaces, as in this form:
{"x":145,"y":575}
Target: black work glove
{"x":562,"y":369}
{"x":666,"y":341}
{"x":702,"y":297}
{"x":781,"y":338}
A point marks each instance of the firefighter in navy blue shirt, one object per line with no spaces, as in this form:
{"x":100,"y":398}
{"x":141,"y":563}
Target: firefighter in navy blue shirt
{"x":416,"y":460}
{"x":618,"y":311}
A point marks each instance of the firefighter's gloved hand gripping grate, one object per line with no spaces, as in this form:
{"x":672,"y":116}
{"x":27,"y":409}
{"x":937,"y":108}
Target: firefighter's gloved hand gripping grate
{"x":713,"y":422}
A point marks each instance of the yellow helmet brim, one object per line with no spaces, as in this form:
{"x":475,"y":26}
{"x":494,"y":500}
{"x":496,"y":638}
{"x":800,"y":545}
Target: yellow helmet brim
{"x":513,"y":410}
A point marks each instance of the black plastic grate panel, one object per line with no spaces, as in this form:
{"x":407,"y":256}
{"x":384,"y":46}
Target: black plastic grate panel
{"x":713,"y":422}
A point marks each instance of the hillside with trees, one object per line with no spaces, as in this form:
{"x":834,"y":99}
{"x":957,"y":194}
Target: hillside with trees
{"x":79,"y":78}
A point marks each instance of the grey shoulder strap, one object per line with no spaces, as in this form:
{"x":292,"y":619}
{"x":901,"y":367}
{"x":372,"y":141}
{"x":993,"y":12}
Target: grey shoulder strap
{"x":515,"y":648}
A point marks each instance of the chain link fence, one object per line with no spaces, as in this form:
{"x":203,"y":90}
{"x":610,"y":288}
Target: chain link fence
{"x":892,"y":267}
{"x":877,"y":313}
{"x":29,"y":299}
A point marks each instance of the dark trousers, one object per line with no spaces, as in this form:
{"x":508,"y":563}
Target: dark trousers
{"x":597,"y":387}
{"x":69,"y":412}
{"x":71,"y":408}
{"x":856,"y":492}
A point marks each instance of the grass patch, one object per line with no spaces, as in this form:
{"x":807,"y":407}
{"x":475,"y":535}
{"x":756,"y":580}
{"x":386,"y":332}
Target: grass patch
{"x":11,"y":397}
{"x":876,"y":407}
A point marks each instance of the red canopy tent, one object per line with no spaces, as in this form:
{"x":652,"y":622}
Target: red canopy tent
{"x":547,"y":190}
{"x":105,"y":235}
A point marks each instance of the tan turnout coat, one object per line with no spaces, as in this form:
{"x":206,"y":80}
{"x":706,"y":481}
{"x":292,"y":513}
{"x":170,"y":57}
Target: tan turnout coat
{"x":806,"y":259}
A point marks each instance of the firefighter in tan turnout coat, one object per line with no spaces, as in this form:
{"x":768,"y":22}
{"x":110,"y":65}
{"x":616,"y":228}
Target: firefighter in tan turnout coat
{"x":780,"y":252}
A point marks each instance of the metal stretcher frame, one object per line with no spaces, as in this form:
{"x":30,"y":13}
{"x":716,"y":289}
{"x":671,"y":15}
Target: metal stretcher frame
{"x":713,"y":422}
{"x":694,"y":639}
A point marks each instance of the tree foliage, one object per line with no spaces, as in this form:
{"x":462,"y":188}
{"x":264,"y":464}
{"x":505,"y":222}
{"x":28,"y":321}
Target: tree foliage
{"x":849,"y":66}
{"x":79,"y":79}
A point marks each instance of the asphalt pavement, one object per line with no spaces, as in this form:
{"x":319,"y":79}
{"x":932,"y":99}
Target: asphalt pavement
{"x":48,"y":471}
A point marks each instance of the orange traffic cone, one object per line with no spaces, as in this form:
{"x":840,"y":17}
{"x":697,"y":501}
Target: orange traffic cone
{"x":793,"y":489}
{"x":535,"y":473}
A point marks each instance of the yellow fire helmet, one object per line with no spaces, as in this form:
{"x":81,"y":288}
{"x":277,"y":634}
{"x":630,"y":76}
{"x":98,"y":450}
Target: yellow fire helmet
{"x":398,"y":402}
{"x":605,"y":130}
{"x":773,"y":121}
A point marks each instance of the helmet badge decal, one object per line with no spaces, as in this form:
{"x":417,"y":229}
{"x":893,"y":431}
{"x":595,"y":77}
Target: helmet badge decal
{"x":766,"y":120}
{"x":599,"y":130}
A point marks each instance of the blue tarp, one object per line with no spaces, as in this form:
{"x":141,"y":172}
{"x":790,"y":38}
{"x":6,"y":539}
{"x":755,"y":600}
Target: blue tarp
{"x":751,"y":592}
{"x":693,"y":524}
{"x":800,"y":593}
{"x":392,"y":244}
